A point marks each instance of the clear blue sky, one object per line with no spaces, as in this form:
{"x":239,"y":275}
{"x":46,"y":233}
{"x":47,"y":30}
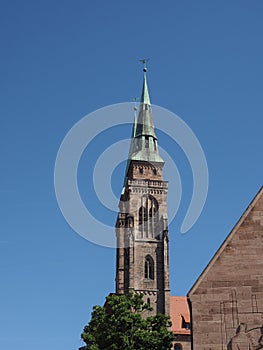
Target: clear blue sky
{"x":61,"y":60}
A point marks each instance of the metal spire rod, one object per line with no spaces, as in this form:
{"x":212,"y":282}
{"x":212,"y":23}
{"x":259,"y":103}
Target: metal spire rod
{"x":135,"y":99}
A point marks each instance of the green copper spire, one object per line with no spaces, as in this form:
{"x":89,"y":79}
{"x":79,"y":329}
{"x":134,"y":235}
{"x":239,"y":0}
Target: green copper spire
{"x":144,"y":142}
{"x":145,"y":98}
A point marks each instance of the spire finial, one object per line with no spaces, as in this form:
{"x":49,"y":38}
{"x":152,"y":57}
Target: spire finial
{"x":144,"y":62}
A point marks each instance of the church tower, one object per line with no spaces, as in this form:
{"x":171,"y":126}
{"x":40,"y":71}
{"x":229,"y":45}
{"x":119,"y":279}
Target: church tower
{"x":141,"y":229}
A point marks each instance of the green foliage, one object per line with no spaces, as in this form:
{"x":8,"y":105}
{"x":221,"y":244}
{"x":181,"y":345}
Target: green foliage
{"x":120,"y":325}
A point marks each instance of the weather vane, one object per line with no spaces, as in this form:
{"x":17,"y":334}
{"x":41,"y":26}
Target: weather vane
{"x":144,"y":61}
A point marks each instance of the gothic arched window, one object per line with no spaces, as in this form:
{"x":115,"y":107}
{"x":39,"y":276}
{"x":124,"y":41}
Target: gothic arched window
{"x":142,"y":215}
{"x":148,"y":216}
{"x":149,"y":268}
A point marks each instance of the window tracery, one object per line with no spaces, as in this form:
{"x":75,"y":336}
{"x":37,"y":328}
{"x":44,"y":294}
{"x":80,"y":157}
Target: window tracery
{"x":148,"y":217}
{"x":149,"y":268}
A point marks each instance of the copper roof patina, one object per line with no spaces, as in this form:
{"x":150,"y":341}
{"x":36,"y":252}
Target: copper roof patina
{"x":144,"y":145}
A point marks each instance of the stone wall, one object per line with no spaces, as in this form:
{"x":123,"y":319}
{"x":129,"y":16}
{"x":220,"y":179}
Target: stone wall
{"x":142,"y":232}
{"x":227,"y":300}
{"x":182,"y":340}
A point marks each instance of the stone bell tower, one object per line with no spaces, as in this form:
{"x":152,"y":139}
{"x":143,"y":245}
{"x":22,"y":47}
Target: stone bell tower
{"x":141,"y":228}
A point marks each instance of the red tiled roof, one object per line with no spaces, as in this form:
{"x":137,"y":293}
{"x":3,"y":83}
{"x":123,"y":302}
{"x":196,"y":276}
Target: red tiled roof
{"x":179,"y":310}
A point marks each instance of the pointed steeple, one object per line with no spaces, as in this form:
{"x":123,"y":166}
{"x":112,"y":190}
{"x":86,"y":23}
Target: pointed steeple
{"x":142,"y":262}
{"x":144,"y":143}
{"x":145,"y":98}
